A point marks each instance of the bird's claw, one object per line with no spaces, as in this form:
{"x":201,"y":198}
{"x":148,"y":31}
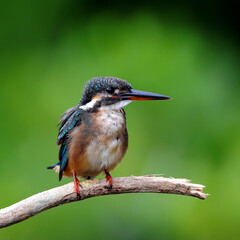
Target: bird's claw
{"x":77,"y":185}
{"x":109,"y":179}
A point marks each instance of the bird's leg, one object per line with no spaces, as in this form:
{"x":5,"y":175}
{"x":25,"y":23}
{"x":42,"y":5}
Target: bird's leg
{"x":76,"y":184}
{"x":109,"y":179}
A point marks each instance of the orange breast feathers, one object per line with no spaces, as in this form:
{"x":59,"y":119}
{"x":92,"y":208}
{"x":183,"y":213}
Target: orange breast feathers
{"x":99,"y":147}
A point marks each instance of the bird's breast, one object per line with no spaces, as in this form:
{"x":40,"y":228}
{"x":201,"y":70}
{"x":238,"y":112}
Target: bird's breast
{"x":99,"y":143}
{"x":109,"y":144}
{"x":109,"y":123}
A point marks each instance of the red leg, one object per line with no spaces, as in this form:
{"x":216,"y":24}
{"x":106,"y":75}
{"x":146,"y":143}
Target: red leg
{"x":76,"y":183}
{"x":109,"y":179}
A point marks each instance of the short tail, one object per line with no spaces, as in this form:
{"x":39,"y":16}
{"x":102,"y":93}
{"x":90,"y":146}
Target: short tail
{"x":53,"y":166}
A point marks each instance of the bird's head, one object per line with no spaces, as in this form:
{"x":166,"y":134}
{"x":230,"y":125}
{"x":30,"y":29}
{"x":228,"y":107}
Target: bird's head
{"x":112,"y":93}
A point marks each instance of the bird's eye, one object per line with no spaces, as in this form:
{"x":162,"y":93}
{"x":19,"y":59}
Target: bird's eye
{"x":110,"y":90}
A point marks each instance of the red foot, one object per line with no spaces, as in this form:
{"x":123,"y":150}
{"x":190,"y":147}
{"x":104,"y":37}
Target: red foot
{"x":76,"y":184}
{"x":109,"y":179}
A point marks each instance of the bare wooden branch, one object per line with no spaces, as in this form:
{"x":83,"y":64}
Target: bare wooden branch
{"x":65,"y":194}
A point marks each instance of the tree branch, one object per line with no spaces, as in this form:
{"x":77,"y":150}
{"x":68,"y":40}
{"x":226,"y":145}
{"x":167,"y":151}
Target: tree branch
{"x":65,"y":194}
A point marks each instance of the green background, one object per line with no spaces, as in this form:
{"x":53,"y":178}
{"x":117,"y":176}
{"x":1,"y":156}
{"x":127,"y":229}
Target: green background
{"x":49,"y":49}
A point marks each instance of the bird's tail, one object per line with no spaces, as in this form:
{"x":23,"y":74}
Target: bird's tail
{"x":56,"y":167}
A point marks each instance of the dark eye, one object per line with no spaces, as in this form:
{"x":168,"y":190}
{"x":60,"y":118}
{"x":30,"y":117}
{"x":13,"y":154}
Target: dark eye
{"x":110,"y":90}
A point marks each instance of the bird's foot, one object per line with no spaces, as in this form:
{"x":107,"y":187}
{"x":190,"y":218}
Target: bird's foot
{"x":109,"y":180}
{"x":77,"y":184}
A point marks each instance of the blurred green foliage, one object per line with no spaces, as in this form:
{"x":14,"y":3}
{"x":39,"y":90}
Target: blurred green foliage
{"x":50,"y":49}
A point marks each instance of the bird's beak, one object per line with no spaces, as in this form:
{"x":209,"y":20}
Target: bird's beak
{"x":141,"y":95}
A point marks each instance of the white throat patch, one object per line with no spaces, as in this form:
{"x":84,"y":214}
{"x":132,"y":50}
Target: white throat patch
{"x":116,"y":106}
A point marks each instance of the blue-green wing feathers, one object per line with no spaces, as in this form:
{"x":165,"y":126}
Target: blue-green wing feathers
{"x":70,"y":119}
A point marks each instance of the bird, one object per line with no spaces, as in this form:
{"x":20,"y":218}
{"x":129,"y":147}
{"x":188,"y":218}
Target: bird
{"x":93,"y":136}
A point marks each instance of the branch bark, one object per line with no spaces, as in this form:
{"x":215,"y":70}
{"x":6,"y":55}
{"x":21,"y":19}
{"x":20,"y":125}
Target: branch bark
{"x":65,"y":194}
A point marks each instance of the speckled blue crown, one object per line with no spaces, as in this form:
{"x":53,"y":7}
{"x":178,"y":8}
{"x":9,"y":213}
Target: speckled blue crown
{"x":100,"y":84}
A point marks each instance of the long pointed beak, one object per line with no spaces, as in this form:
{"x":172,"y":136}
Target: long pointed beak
{"x":141,"y":95}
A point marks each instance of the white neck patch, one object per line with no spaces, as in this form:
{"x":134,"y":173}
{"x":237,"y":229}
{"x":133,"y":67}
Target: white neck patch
{"x":89,"y":105}
{"x":116,"y":106}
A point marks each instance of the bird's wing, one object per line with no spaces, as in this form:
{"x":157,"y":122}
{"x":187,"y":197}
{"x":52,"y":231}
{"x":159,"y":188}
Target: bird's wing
{"x":66,"y":115}
{"x":70,"y":119}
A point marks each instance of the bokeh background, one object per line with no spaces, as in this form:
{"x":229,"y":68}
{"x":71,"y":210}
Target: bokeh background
{"x":187,"y":50}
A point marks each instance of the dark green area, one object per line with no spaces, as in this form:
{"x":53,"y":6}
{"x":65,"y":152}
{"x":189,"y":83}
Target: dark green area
{"x":49,"y":49}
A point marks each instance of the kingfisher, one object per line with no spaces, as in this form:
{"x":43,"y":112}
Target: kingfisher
{"x":93,"y":136}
